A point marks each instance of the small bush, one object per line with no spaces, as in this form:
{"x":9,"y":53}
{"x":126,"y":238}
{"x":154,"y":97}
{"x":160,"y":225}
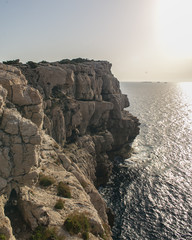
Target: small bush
{"x":85,"y":235}
{"x":77,"y":223}
{"x":2,"y":236}
{"x":11,"y":62}
{"x":80,"y":60}
{"x":32,"y":64}
{"x":65,"y":61}
{"x":59,"y":204}
{"x":43,"y":61}
{"x":74,"y":61}
{"x":45,"y":181}
{"x":63,"y":190}
{"x":44,"y":233}
{"x":106,"y":233}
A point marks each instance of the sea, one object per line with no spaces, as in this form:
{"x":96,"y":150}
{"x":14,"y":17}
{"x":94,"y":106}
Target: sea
{"x":150,"y":193}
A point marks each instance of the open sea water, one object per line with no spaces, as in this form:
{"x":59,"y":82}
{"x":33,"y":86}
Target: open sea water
{"x":151,"y":192}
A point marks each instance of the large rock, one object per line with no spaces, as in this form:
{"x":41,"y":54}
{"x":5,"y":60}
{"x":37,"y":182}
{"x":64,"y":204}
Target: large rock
{"x":5,"y":225}
{"x":101,"y":114}
{"x":120,"y":101}
{"x":53,"y":78}
{"x":3,"y":95}
{"x":87,"y":109}
{"x":27,"y":99}
{"x":58,"y":122}
{"x":103,"y":142}
{"x":10,"y":76}
{"x":124,"y":130}
{"x":19,"y":138}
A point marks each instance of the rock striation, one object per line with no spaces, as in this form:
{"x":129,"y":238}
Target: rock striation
{"x":58,"y":120}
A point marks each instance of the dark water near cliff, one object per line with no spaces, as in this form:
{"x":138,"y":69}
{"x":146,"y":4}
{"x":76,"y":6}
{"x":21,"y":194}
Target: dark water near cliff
{"x":151,"y":192}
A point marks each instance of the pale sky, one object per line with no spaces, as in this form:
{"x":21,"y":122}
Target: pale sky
{"x":145,"y":40}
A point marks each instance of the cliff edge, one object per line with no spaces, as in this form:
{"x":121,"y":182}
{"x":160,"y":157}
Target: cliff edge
{"x":58,"y":123}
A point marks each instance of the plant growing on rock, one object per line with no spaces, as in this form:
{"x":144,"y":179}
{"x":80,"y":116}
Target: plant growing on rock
{"x":65,"y":61}
{"x":74,"y":61}
{"x":78,"y":223}
{"x":106,"y":233}
{"x":63,"y":190}
{"x":59,"y":204}
{"x":43,"y":61}
{"x":11,"y":62}
{"x":45,"y":181}
{"x":2,"y":236}
{"x":32,"y":64}
{"x":85,"y":235}
{"x":44,"y":233}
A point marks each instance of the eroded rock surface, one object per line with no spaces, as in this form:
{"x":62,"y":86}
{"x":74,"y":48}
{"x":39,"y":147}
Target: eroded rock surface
{"x":60,"y":121}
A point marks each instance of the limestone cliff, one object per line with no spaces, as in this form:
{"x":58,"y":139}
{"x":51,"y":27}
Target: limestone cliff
{"x":58,"y":121}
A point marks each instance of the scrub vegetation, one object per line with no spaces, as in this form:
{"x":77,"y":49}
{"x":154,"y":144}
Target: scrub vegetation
{"x":78,"y":223}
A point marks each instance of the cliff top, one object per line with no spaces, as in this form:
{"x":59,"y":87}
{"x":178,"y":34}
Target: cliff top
{"x":33,"y":64}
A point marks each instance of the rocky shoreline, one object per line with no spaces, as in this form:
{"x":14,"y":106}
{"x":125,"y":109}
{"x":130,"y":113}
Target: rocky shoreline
{"x":61,"y":121}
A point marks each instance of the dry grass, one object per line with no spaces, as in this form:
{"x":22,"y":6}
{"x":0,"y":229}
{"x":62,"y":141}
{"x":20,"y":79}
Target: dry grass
{"x":45,"y":181}
{"x":63,"y":190}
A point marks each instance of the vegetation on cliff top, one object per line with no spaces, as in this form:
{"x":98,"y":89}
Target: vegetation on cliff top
{"x":11,"y":62}
{"x":34,"y":64}
{"x":74,"y":61}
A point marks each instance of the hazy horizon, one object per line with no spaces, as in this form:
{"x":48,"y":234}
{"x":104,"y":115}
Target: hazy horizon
{"x":145,"y":40}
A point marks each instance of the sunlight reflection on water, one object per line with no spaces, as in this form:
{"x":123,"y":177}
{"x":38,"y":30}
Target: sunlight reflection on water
{"x":155,"y":190}
{"x":186,"y":95}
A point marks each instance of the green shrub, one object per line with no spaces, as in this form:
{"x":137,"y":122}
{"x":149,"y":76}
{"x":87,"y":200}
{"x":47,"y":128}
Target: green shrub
{"x":65,"y":61}
{"x":59,"y":204}
{"x":43,"y":61}
{"x":45,"y":181}
{"x":11,"y":62}
{"x":85,"y":235}
{"x":63,"y":190}
{"x":32,"y":64}
{"x":44,"y":233}
{"x":107,"y":232}
{"x":2,"y":236}
{"x":77,"y":223}
{"x":80,"y":60}
{"x":74,"y":61}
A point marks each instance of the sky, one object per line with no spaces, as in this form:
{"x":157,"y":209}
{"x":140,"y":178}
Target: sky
{"x":145,"y":40}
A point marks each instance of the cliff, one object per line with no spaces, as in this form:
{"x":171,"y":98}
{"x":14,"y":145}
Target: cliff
{"x":58,"y":123}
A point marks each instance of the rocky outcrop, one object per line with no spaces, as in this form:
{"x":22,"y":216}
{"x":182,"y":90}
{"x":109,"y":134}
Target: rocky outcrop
{"x":59,"y":121}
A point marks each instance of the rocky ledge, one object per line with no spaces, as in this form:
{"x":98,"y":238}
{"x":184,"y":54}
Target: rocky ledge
{"x":58,"y":123}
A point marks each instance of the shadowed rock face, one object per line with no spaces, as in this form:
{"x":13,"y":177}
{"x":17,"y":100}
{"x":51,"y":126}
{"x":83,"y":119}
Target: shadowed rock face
{"x":59,"y":120}
{"x":84,"y":96}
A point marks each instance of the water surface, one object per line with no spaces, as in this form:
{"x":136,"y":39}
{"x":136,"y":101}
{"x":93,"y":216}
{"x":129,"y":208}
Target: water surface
{"x":151,"y":192}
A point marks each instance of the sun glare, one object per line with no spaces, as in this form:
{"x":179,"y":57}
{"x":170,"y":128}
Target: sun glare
{"x":174,"y":30}
{"x":186,"y":90}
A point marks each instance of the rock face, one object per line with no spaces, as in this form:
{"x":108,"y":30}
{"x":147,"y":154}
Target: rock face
{"x":59,"y":121}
